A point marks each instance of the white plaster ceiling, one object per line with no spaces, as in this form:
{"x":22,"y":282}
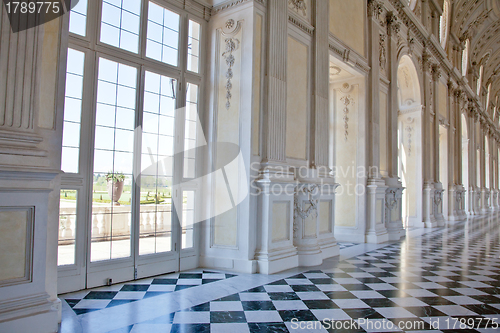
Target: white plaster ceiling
{"x":480,"y":20}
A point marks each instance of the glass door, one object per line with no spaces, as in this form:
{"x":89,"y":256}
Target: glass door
{"x":130,"y":131}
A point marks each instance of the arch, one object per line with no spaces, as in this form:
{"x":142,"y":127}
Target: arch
{"x":409,"y":141}
{"x":409,"y":93}
{"x":444,"y":24}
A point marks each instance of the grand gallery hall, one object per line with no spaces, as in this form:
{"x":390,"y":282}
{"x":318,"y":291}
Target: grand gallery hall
{"x":249,"y":166}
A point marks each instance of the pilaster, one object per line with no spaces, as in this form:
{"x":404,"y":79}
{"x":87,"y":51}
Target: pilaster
{"x":439,"y":190}
{"x":428,"y":132}
{"x":394,"y":191}
{"x":376,"y":231}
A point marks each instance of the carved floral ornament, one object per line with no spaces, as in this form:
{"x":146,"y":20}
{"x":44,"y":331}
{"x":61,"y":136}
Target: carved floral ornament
{"x":230,"y":24}
{"x":298,"y":6}
{"x":232,"y":44}
{"x":347,"y":100}
{"x":382,"y":52}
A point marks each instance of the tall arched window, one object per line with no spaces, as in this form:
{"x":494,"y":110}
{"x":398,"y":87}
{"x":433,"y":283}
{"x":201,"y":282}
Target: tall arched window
{"x":444,"y":23}
{"x":465,"y":58}
{"x":412,"y":4}
{"x":480,"y":80}
{"x":488,"y":97}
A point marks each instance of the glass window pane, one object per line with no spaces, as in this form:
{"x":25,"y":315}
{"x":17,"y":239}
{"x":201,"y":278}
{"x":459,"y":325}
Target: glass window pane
{"x":120,"y":24}
{"x":162,"y":35}
{"x":72,"y":111}
{"x":78,"y":18}
{"x":156,"y":170}
{"x":113,"y":162}
{"x":69,"y":159}
{"x":71,"y":134}
{"x":188,"y":219}
{"x":190,"y":131}
{"x":193,"y":46}
{"x":67,"y":227}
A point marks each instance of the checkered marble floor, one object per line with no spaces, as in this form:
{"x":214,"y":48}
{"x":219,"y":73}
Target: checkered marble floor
{"x":109,"y":296}
{"x":429,"y":283}
{"x":345,"y":245}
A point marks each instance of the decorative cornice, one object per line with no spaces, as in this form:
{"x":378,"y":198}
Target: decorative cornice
{"x":226,"y":6}
{"x":302,"y":25}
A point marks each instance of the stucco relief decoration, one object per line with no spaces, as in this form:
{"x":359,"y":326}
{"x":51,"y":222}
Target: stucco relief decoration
{"x":382,"y":51}
{"x":411,"y":42}
{"x":232,"y":44}
{"x":458,"y":197}
{"x":298,"y":6}
{"x":298,"y":210}
{"x":438,"y":198}
{"x":346,"y":100}
{"x":391,"y":199}
{"x":409,"y":130}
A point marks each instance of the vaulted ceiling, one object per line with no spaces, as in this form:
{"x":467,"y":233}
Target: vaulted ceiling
{"x":479,"y":21}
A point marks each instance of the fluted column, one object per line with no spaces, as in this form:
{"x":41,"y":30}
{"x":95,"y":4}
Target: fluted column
{"x":320,"y":140}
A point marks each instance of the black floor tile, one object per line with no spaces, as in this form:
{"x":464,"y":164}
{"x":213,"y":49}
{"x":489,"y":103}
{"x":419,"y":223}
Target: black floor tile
{"x":101,"y":295}
{"x":300,"y":315}
{"x":257,"y":305}
{"x":268,"y":328}
{"x":190,"y":328}
{"x":135,"y":287}
{"x":227,"y":317}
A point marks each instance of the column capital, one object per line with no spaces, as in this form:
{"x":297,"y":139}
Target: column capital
{"x":436,"y":72}
{"x":375,"y":8}
{"x":393,"y":25}
{"x":426,"y":61}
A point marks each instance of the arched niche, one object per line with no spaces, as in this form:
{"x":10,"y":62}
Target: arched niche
{"x":409,"y":141}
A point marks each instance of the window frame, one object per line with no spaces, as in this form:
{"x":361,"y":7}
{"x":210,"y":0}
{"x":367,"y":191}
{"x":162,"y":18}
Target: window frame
{"x":94,"y":49}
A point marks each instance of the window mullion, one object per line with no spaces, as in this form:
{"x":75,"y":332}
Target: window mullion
{"x":94,"y":22}
{"x":144,"y":29}
{"x":137,"y":156}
